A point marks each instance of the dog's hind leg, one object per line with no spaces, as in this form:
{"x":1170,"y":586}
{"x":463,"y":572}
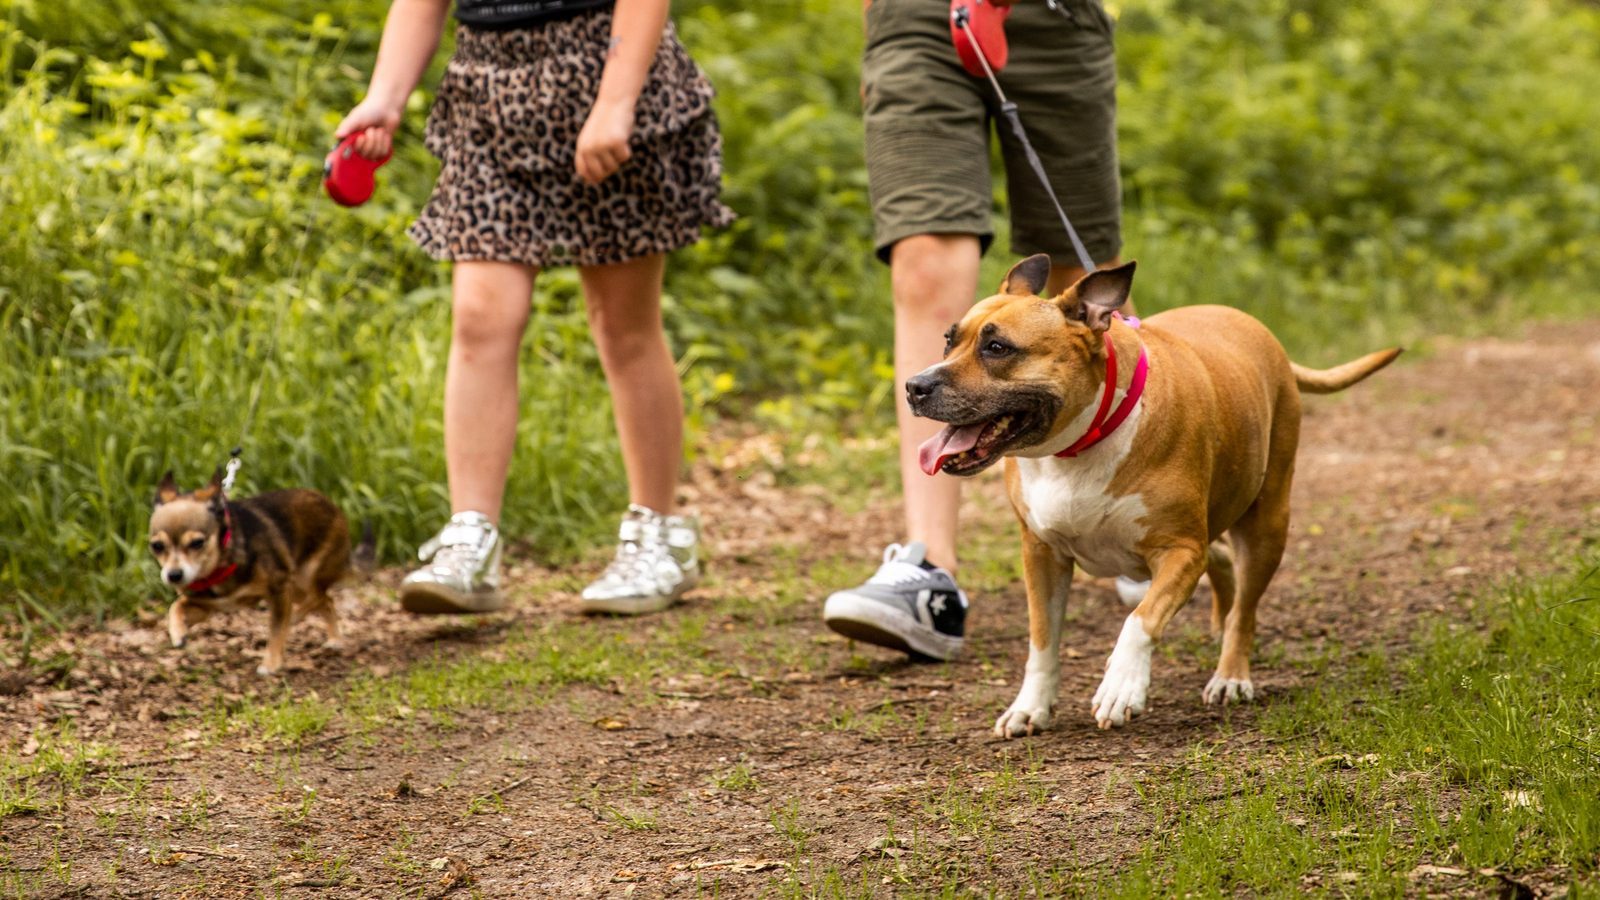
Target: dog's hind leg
{"x":330,"y":622}
{"x":1257,"y":539}
{"x":1219,"y":570}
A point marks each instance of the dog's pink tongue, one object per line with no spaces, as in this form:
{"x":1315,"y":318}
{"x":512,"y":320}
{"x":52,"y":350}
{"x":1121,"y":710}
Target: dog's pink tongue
{"x":947,"y":443}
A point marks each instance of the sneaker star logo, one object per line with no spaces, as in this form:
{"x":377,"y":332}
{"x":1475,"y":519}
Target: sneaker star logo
{"x":936,"y":604}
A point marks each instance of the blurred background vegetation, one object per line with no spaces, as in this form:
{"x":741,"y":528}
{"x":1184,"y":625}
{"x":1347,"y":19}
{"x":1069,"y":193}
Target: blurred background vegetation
{"x":1354,"y":174}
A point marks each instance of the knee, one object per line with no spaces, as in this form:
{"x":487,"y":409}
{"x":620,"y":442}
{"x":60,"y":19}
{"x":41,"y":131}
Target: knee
{"x":935,"y":274}
{"x":620,"y":333}
{"x":486,"y":321}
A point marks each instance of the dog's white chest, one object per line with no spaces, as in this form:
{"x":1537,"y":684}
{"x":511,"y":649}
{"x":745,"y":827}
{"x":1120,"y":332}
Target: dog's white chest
{"x":1070,"y":510}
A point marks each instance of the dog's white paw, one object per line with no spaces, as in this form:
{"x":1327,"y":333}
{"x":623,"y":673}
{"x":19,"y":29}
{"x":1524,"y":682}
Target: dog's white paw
{"x":1021,"y":721}
{"x":1122,"y":693}
{"x":178,"y":641}
{"x":1030,"y":712}
{"x":1228,"y":690}
{"x":334,"y":644}
{"x":265,"y":671}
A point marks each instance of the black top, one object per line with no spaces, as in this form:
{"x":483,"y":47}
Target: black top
{"x":520,"y":13}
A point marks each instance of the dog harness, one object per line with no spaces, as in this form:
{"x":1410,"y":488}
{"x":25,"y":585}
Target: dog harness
{"x":221,"y":573}
{"x":1101,"y":426}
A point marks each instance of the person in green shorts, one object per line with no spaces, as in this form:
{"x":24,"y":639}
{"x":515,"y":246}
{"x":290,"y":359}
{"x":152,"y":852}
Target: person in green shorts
{"x":928,"y":124}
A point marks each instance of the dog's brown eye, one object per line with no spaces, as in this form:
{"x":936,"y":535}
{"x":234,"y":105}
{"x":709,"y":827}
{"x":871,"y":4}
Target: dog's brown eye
{"x":996,"y":348}
{"x":197,"y":543}
{"x":157,"y":547}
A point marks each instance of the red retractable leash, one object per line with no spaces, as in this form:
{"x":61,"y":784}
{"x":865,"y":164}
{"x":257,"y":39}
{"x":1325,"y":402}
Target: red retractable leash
{"x":977,"y":27}
{"x":349,"y":177}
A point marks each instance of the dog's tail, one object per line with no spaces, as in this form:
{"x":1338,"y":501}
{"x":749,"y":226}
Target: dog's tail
{"x":1326,"y":381}
{"x":364,"y":558}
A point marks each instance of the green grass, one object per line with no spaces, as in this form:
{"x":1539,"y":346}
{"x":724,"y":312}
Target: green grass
{"x":1487,"y":756}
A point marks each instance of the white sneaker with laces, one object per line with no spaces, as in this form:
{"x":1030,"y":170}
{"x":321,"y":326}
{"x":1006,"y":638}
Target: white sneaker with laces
{"x":462,"y":571}
{"x":658,"y":559}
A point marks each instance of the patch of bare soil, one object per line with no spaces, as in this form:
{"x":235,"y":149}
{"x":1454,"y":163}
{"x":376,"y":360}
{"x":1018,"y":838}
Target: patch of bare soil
{"x":1436,"y":479}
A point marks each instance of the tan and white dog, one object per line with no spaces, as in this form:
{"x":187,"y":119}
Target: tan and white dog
{"x":1207,"y":451}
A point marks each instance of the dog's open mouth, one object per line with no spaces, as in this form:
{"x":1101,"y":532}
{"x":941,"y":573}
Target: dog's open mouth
{"x":967,"y":449}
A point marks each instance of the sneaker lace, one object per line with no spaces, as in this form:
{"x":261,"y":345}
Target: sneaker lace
{"x":632,"y":560}
{"x":896,"y":571}
{"x":457,"y":556}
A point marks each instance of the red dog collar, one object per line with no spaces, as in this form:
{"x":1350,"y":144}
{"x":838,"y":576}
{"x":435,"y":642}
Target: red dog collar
{"x":221,"y":573}
{"x":1101,"y":426}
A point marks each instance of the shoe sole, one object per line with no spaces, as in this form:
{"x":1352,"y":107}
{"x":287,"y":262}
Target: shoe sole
{"x":872,"y":622}
{"x":433,"y":600}
{"x":626,"y":606}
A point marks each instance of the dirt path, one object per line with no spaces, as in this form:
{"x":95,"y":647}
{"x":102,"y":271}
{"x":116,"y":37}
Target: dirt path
{"x":734,"y":747}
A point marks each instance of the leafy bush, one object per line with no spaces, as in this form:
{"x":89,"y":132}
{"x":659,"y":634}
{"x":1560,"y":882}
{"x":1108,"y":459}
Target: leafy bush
{"x":1350,"y":173}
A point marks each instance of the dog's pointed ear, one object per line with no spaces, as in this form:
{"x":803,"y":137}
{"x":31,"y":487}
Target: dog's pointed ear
{"x":1097,"y":295}
{"x":166,"y":491}
{"x":213,"y":489}
{"x":1027,"y":277}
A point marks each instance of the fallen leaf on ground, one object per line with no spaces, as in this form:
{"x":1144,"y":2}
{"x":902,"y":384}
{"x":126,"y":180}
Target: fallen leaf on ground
{"x":1427,"y":869}
{"x":740,"y":865}
{"x":610,"y":723}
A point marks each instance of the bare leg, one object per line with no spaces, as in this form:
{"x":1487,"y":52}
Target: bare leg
{"x":624,"y":305}
{"x":489,"y":310}
{"x":935,"y":280}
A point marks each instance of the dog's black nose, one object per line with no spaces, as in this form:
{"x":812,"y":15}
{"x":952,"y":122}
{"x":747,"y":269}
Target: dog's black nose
{"x":920,"y":387}
{"x":175,"y":576}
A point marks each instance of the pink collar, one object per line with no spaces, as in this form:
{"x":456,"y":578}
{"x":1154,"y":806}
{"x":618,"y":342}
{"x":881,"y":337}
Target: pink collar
{"x":221,"y":573}
{"x":1101,"y":426}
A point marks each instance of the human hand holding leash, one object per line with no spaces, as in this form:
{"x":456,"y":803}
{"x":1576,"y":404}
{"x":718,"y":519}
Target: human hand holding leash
{"x":374,"y":120}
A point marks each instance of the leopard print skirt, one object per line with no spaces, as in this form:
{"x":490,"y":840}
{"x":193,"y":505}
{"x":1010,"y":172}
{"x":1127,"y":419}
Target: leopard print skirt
{"x":505,"y":127}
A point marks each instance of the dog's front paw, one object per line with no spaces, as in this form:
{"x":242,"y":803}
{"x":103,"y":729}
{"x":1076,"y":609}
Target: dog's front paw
{"x":266,"y":671}
{"x":1123,"y":691}
{"x":1030,"y":712}
{"x":1019,"y":721}
{"x":1228,"y":690}
{"x":178,"y":641}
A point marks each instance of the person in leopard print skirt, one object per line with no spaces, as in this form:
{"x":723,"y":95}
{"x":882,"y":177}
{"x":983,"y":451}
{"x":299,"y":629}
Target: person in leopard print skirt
{"x":570,"y":132}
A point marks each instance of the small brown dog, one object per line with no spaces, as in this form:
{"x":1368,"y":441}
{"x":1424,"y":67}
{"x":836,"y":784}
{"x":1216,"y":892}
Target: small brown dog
{"x":285,"y":547}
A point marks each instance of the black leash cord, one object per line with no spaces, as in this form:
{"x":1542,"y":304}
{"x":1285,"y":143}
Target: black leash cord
{"x":1009,"y":110}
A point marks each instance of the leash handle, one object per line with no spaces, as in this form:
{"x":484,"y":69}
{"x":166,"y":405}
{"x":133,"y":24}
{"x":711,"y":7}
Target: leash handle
{"x":232,"y":470}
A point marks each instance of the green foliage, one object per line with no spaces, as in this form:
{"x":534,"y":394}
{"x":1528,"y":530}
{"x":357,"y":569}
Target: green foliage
{"x":1357,"y":173}
{"x":1484,"y":759}
{"x":1350,"y":173}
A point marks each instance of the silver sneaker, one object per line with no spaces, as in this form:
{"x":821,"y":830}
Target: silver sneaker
{"x":658,"y":559}
{"x":908,"y":604}
{"x":462,"y":574}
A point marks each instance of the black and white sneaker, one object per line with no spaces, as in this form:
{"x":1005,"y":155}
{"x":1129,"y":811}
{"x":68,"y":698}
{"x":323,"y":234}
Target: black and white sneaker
{"x":908,"y":604}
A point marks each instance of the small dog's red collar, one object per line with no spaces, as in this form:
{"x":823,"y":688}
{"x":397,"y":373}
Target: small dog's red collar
{"x":221,"y":573}
{"x":1101,"y":426}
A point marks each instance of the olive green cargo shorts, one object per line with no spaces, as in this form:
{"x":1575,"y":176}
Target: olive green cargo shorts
{"x":928,"y":125}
